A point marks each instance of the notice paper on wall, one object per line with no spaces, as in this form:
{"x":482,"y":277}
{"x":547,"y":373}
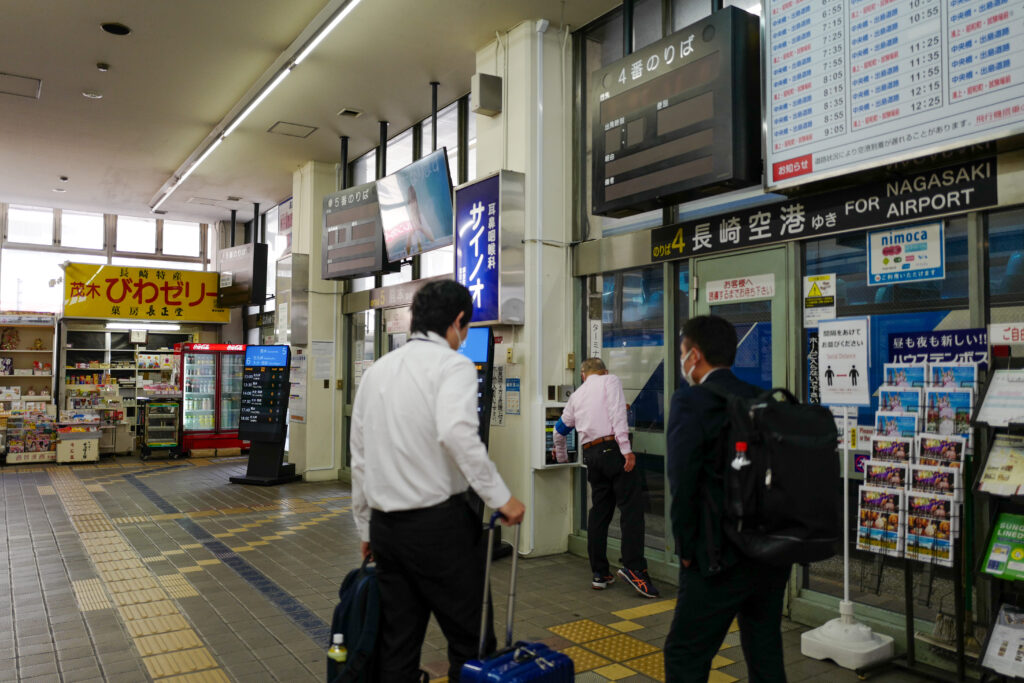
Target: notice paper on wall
{"x":297,"y":391}
{"x":323,"y":360}
{"x":498,"y":396}
{"x":512,"y":396}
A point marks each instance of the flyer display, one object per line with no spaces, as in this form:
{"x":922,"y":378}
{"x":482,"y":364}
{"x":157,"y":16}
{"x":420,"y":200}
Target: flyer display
{"x":948,"y":411}
{"x":885,"y":475}
{"x":1005,"y":653}
{"x":935,"y":479}
{"x":852,"y":84}
{"x":905,"y":374}
{"x":1004,"y":470}
{"x":880,"y":520}
{"x":889,"y":449}
{"x":930,"y":527}
{"x":1005,"y":555}
{"x":944,"y":451}
{"x":900,"y":399}
{"x":1003,"y":399}
{"x":954,"y":375}
{"x":896,"y":424}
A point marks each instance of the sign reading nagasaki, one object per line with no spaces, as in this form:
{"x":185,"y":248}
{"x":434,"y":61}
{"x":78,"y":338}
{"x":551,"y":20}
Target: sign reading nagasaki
{"x":854,"y":83}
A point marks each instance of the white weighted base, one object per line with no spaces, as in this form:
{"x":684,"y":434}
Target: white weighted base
{"x":846,"y":642}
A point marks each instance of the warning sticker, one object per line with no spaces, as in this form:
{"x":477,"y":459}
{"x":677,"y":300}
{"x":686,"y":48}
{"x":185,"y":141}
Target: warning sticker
{"x":819,"y":298}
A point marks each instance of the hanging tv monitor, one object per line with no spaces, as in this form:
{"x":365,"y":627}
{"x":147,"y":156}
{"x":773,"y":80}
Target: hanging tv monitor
{"x":416,"y":207}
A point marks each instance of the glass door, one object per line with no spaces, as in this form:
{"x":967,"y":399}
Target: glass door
{"x":199,"y":391}
{"x":750,"y":290}
{"x":230,"y":390}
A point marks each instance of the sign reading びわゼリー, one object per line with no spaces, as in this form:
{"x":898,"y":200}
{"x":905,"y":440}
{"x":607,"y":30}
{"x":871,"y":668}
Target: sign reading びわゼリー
{"x":906,"y":254}
{"x":843,"y":362}
{"x":128,"y":293}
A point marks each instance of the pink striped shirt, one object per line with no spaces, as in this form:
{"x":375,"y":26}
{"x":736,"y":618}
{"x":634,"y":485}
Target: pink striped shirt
{"x":596,"y":409}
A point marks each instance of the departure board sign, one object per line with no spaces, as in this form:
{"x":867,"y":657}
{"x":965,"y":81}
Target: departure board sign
{"x":352,"y":241}
{"x":265,"y":390}
{"x":679,"y":118}
{"x":859,"y":83}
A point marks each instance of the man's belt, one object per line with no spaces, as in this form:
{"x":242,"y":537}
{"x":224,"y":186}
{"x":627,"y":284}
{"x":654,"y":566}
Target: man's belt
{"x":598,"y":441}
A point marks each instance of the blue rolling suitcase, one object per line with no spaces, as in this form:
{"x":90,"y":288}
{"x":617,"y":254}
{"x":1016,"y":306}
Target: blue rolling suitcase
{"x":523,"y":661}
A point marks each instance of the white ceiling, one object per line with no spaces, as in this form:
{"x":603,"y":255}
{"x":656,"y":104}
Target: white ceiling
{"x":188,"y":63}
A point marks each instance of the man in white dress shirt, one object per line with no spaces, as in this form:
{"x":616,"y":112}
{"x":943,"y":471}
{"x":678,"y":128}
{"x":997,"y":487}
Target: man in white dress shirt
{"x":415,"y":452}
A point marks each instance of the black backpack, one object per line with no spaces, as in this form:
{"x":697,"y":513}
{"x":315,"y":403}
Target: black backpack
{"x":782,"y":498}
{"x":357,"y":617}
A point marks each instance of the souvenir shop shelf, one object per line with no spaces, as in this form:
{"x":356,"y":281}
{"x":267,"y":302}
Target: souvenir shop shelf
{"x":31,"y":436}
{"x":26,"y":359}
{"x":79,"y":433}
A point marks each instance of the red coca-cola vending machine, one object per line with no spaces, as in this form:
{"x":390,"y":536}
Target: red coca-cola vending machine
{"x":211,"y":391}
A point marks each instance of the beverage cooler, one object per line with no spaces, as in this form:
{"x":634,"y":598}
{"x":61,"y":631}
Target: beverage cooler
{"x":211,"y":388}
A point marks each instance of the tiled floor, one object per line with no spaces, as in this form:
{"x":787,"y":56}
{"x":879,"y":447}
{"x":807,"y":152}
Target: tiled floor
{"x":128,"y":571}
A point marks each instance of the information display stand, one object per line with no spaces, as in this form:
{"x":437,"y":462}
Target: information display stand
{"x":263,"y":418}
{"x":1000,"y":426}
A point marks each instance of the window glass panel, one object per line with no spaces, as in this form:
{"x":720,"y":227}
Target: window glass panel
{"x":136,"y":235}
{"x":448,"y":136}
{"x":686,"y":12}
{"x":1006,"y":255}
{"x":275,"y":247}
{"x":361,"y":284}
{"x":181,"y":239}
{"x":427,"y":139}
{"x":81,"y":230}
{"x":29,"y":225}
{"x":155,"y":263}
{"x":400,"y":151}
{"x":26,"y":276}
{"x":752,"y":6}
{"x":472,"y":146}
{"x":438,"y":262}
{"x":403,"y":275}
{"x":365,"y":168}
{"x":646,"y":23}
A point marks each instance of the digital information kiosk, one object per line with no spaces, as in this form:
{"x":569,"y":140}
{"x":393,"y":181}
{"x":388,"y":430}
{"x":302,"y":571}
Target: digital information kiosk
{"x":479,"y":348}
{"x":264,"y":415}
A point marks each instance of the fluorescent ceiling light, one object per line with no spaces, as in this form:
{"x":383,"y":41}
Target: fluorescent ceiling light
{"x":193,"y":167}
{"x":161,"y":200}
{"x":325,"y":30}
{"x":160,"y":327}
{"x":248,"y":110}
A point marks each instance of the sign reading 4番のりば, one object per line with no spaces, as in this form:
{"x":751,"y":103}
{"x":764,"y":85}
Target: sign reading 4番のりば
{"x":843,"y":362}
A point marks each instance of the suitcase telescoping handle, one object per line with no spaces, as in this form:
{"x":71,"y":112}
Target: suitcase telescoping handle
{"x":487,"y":584}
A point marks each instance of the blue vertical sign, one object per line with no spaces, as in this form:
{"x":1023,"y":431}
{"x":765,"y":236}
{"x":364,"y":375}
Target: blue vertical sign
{"x":477,"y":245}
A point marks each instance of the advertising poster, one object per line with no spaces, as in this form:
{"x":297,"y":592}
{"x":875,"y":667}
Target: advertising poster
{"x":896,"y":424}
{"x":1004,"y":469}
{"x":1005,"y":555}
{"x":477,"y":245}
{"x":909,"y":254}
{"x":885,"y":475}
{"x":944,"y":451}
{"x":900,"y":399}
{"x":953,"y":375}
{"x":1006,"y":334}
{"x":880,"y":520}
{"x":740,"y":289}
{"x":843,"y":362}
{"x":905,"y":374}
{"x":819,"y":298}
{"x":948,"y":411}
{"x":416,"y":207}
{"x":939,"y":346}
{"x":512,"y":396}
{"x":934,"y":479}
{"x":1005,"y":653}
{"x":930,"y":528}
{"x":890,"y":449}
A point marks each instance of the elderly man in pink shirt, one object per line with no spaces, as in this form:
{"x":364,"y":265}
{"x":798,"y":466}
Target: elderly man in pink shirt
{"x":598,"y":412}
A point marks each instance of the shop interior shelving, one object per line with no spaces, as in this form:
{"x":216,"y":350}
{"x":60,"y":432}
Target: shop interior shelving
{"x":26,"y":359}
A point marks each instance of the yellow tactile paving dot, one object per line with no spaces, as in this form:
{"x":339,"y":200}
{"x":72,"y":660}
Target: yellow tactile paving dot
{"x":255,"y":544}
{"x":584,"y":660}
{"x":177,"y":586}
{"x":132,"y":585}
{"x":196,"y":568}
{"x":89,"y":595}
{"x":94,"y":488}
{"x":167,"y":642}
{"x":211,"y":676}
{"x":719,"y":661}
{"x":84,"y":525}
{"x":46,"y":491}
{"x":148,"y":610}
{"x":721,"y":677}
{"x":646,"y":610}
{"x":652,"y":666}
{"x":206,"y":563}
{"x":137,"y":597}
{"x":126,"y":563}
{"x":147,"y":627}
{"x":625,"y":626}
{"x":236,"y":530}
{"x":620,"y":648}
{"x":242,"y":549}
{"x":735,"y":626}
{"x":173,"y":552}
{"x":191,"y":546}
{"x":112,"y":555}
{"x":582,"y":631}
{"x":271,"y":538}
{"x":125,"y":574}
{"x":183,"y":662}
{"x":157,"y":558}
{"x":614,"y":672}
{"x":286,"y":533}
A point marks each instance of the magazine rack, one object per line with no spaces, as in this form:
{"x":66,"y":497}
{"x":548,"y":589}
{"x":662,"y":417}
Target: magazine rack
{"x":999,"y":591}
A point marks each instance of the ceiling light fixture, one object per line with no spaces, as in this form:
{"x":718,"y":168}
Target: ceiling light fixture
{"x":162,"y":327}
{"x":115,"y":28}
{"x":59,"y":189}
{"x":304,"y":52}
{"x":92,"y":95}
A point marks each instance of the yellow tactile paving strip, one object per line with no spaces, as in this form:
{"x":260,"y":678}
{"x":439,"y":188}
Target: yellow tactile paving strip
{"x":615,"y":672}
{"x":584,"y":660}
{"x":646,"y":610}
{"x":652,"y":666}
{"x":169,"y":647}
{"x":621,"y":647}
{"x":582,"y":631}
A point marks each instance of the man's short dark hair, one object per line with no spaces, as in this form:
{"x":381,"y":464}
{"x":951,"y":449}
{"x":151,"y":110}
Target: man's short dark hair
{"x":436,"y":306}
{"x":714,"y":336}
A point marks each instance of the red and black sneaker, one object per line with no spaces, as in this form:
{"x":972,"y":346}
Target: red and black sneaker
{"x":641,"y":581}
{"x":601,"y":582}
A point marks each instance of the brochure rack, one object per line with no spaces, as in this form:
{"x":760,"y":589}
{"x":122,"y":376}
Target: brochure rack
{"x":1002,"y":656}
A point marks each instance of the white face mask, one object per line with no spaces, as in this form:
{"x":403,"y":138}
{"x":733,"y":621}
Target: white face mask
{"x":688,"y":376}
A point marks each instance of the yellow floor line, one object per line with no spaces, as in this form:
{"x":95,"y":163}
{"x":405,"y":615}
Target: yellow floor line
{"x":647,"y":610}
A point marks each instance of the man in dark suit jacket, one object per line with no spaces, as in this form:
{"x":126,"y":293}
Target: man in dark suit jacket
{"x":716,"y":582}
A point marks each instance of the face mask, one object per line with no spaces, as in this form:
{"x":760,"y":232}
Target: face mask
{"x":688,"y":376}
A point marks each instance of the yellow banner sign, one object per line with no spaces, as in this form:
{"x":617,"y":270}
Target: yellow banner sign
{"x":126,"y":293}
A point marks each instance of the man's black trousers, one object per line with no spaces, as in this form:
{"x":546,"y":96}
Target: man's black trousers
{"x":609,"y":484}
{"x":428,"y":561}
{"x":749,"y":591}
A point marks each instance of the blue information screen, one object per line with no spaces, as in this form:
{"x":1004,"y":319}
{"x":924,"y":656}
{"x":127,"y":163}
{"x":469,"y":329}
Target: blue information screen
{"x":477,"y":346}
{"x":266,"y":356}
